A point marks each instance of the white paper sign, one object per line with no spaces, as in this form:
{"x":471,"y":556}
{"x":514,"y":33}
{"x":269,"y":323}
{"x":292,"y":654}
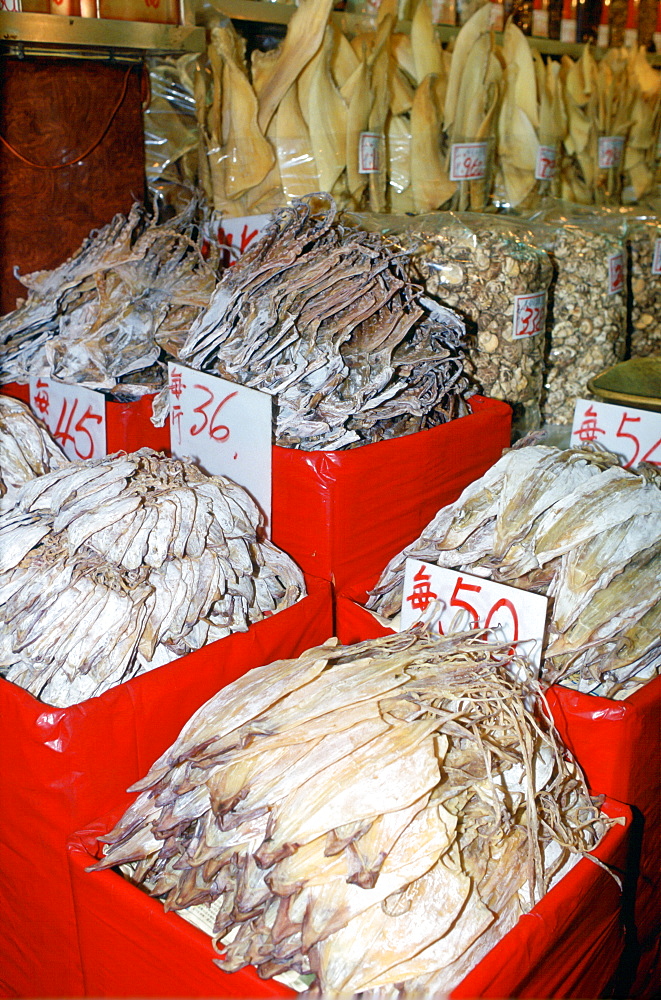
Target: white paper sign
{"x":546,"y":162}
{"x":540,"y":23}
{"x":468,"y":161}
{"x":656,"y":263}
{"x":368,"y":153}
{"x":615,"y":273}
{"x":610,"y":151}
{"x":224,"y":427}
{"x":568,"y":30}
{"x":633,"y":434}
{"x":75,"y":416}
{"x":529,"y":315}
{"x":238,"y":234}
{"x":428,"y":589}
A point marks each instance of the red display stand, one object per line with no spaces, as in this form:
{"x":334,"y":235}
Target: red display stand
{"x":341,"y":515}
{"x":61,"y":767}
{"x":569,"y":944}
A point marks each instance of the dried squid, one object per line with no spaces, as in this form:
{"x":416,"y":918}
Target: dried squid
{"x":571,"y":524}
{"x":115,"y":566}
{"x":322,"y":315}
{"x":26,"y":447}
{"x":364,"y":814}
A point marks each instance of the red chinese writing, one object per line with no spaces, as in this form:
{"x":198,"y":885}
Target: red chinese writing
{"x":588,"y":430}
{"x":615,"y":273}
{"x":468,"y":162}
{"x":41,"y":399}
{"x":422,"y":595}
{"x":80,"y":437}
{"x":216,"y":431}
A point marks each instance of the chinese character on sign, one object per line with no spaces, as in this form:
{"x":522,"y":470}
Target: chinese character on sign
{"x":422,"y":595}
{"x":588,"y":430}
{"x":368,"y":153}
{"x":41,"y":399}
{"x":175,"y":419}
{"x":615,"y":273}
{"x":176,"y":384}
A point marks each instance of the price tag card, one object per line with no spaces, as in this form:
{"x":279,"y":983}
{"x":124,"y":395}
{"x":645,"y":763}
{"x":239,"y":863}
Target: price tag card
{"x":656,"y":263}
{"x":468,"y":161}
{"x":368,"y":153}
{"x":432,"y":593}
{"x":633,"y":434}
{"x":546,"y":163}
{"x":615,"y":273}
{"x":540,"y":23}
{"x":224,"y":427}
{"x":610,"y":151}
{"x":529,"y":315}
{"x":237,"y":234}
{"x":75,"y":416}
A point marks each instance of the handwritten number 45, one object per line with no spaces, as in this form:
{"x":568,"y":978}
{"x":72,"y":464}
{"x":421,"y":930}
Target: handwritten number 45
{"x":63,"y":433}
{"x":217,"y":432}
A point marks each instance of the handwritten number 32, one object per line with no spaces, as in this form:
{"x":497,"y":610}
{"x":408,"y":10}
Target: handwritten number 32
{"x":217,"y":432}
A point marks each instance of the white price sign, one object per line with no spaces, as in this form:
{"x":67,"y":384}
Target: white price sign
{"x":224,"y":427}
{"x":529,"y":315}
{"x":430,"y":590}
{"x":238,"y":234}
{"x":610,"y":151}
{"x":656,"y":263}
{"x":368,"y":153}
{"x":615,"y":273}
{"x":75,"y":416}
{"x":546,"y":162}
{"x":468,"y":161}
{"x":633,"y":434}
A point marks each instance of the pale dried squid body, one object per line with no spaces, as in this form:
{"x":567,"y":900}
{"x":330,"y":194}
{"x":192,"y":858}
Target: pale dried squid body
{"x":144,"y":554}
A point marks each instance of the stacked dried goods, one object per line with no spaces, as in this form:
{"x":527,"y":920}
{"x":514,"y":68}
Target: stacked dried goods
{"x":644,"y":239}
{"x":322,"y":314}
{"x":119,"y":565}
{"x":103,"y":317}
{"x":26,"y":448}
{"x":374,"y":814}
{"x":577,"y":527}
{"x":497,"y":280}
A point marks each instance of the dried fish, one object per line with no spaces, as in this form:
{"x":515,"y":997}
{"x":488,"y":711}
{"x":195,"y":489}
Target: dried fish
{"x":26,"y":448}
{"x":570,"y":524}
{"x":399,"y":847}
{"x":137,"y":575}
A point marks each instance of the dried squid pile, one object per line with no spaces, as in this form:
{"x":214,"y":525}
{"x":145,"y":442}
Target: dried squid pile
{"x":103,"y":317}
{"x":371,"y":814}
{"x":322,"y":315}
{"x":26,"y":448}
{"x":121,"y":564}
{"x":575,"y":526}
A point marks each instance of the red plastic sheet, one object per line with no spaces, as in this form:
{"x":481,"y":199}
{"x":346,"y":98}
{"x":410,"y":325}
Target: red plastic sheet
{"x":341,"y":515}
{"x":569,"y":944}
{"x":63,"y":767}
{"x":128,"y":425}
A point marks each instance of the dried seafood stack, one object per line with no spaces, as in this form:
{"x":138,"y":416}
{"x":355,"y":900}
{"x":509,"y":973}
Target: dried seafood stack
{"x":372,"y":814}
{"x":103,"y":317}
{"x":577,"y":527}
{"x":26,"y":448}
{"x":644,"y":237}
{"x":497,"y":281}
{"x":121,"y":564}
{"x":640,"y":160}
{"x":321,"y":314}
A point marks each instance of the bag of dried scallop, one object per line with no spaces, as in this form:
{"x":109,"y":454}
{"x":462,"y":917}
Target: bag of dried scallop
{"x":112,"y":567}
{"x":494,"y":276}
{"x":366,"y":815}
{"x":644,"y":239}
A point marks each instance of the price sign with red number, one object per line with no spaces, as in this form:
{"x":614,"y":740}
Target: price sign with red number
{"x":546,"y":162}
{"x":529,"y":315}
{"x":369,"y":145}
{"x":75,"y":416}
{"x":633,"y":434}
{"x":610,"y":151}
{"x":432,"y":593}
{"x":224,"y":427}
{"x":615,"y":273}
{"x":468,"y":161}
{"x":236,"y":235}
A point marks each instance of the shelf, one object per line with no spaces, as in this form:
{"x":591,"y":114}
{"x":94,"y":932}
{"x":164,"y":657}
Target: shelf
{"x":58,"y":34}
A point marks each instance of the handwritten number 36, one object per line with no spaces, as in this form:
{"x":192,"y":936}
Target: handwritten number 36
{"x":217,"y":432}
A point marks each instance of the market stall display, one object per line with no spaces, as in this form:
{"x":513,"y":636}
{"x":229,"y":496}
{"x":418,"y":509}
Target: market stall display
{"x":26,"y":448}
{"x":350,"y":789}
{"x":644,"y":241}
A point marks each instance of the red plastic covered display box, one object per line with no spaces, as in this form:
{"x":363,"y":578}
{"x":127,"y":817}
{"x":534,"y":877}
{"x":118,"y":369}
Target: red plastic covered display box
{"x":341,"y":515}
{"x":567,"y":946}
{"x":128,"y":425}
{"x":62,"y":767}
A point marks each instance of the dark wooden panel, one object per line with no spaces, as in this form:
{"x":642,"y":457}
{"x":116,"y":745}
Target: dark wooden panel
{"x":51,"y":111}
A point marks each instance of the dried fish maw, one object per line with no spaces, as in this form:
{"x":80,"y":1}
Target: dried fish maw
{"x":378,"y":63}
{"x":327,"y":117}
{"x":358,"y":118}
{"x":305,"y":33}
{"x":647,"y":77}
{"x":427,"y":54}
{"x":363,"y":43}
{"x":580,"y":129}
{"x":470,"y":34}
{"x":517,"y":53}
{"x":343,"y":60}
{"x":401,"y":90}
{"x":298,"y":169}
{"x":402,"y":52}
{"x":398,"y":149}
{"x":471,"y":102}
{"x":430,"y":185}
{"x":573,"y":82}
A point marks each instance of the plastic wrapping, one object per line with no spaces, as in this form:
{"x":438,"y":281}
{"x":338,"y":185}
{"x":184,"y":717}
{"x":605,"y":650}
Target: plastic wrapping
{"x":490,"y":271}
{"x":644,"y":240}
{"x":63,"y":767}
{"x":170,"y":127}
{"x":568,"y":945}
{"x":363,"y":505}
